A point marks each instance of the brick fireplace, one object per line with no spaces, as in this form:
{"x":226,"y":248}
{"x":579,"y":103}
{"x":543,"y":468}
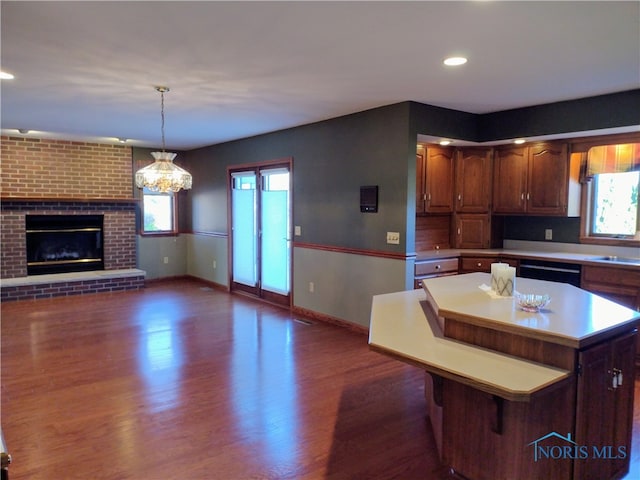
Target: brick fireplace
{"x":55,"y":177}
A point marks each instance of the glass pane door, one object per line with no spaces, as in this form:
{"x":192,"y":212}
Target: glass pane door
{"x":274,"y":240}
{"x":245,"y":231}
{"x":260,"y":231}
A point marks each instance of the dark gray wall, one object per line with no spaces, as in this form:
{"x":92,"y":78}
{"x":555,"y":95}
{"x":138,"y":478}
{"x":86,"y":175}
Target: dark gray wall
{"x":593,"y":113}
{"x":331,"y":160}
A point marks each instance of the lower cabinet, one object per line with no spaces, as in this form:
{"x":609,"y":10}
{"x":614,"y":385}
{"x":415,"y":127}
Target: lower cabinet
{"x":434,"y":268}
{"x":605,"y":408}
{"x":620,"y":285}
{"x":580,"y":429}
{"x":482,"y":264}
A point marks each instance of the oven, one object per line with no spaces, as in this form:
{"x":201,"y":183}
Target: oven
{"x":551,"y":271}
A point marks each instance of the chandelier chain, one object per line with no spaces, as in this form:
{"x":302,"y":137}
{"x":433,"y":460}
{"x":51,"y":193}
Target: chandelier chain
{"x":162,"y":115}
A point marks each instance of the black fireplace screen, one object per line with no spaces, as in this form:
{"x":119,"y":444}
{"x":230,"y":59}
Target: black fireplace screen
{"x":64,"y":243}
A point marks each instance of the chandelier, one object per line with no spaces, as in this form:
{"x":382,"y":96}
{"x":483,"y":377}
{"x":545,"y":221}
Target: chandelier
{"x":163,"y":175}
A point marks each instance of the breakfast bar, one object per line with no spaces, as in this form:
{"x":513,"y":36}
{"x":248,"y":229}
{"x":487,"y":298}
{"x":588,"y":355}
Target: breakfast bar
{"x":517,"y":394}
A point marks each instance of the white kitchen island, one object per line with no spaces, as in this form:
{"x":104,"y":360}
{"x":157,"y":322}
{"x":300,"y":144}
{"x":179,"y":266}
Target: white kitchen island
{"x":505,"y":387}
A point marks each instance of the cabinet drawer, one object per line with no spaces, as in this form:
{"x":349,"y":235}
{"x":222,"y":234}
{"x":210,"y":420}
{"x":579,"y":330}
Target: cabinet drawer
{"x":614,"y":276}
{"x":476,"y":264}
{"x":434,"y":267}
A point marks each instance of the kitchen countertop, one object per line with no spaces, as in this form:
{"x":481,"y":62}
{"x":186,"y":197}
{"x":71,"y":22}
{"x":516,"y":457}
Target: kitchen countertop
{"x":404,"y":327}
{"x":574,"y":317}
{"x":580,"y":258}
{"x":408,"y":326}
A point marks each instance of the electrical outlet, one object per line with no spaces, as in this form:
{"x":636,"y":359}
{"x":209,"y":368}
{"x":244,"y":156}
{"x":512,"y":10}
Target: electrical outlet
{"x":297,"y":230}
{"x":215,"y":264}
{"x":548,"y":234}
{"x":393,"y":238}
{"x":312,"y":287}
{"x":166,"y":259}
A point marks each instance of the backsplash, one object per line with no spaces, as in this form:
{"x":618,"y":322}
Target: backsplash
{"x":564,"y":229}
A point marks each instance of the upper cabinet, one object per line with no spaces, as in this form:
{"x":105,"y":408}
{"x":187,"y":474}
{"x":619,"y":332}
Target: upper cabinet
{"x":540,"y":179}
{"x":473,"y":180}
{"x":434,"y":177}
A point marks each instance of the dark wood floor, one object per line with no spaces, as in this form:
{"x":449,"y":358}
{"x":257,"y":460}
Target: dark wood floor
{"x":179,"y":381}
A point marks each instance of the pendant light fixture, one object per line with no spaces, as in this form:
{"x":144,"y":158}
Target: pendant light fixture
{"x":163,"y":175}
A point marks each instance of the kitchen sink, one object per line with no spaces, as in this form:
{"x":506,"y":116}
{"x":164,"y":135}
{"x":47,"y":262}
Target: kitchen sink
{"x":614,"y":258}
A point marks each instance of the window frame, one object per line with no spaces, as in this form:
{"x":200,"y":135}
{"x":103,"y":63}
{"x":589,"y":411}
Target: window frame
{"x":587,"y":201}
{"x":174,"y":214}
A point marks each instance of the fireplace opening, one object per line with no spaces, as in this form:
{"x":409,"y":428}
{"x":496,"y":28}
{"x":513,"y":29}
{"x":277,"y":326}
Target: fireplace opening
{"x":64,"y":243}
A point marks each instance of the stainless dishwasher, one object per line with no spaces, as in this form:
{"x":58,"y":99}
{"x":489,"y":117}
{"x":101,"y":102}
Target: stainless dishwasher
{"x":551,"y":271}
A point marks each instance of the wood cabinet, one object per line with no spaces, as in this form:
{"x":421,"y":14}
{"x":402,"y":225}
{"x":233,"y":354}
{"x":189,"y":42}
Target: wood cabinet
{"x":473,"y":180}
{"x":605,"y":407}
{"x":434,"y":179}
{"x":471,"y":226}
{"x":482,"y":264}
{"x":472,"y":230}
{"x":621,"y":285}
{"x":540,"y":179}
{"x":434,"y":268}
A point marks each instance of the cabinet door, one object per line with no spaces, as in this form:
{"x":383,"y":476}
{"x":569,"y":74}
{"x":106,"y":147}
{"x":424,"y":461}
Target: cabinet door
{"x":594,"y":413}
{"x":421,"y":194}
{"x":624,"y":365}
{"x":439,"y":179}
{"x":548,"y":177}
{"x":472,"y":231}
{"x":604,"y":415}
{"x":509,"y":180}
{"x":473,"y":180}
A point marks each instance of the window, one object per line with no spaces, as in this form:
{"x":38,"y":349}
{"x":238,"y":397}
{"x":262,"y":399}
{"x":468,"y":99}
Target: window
{"x":158,"y":212}
{"x":611,"y":180}
{"x":615,"y":204}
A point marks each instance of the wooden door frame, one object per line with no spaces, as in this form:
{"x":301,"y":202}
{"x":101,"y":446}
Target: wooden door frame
{"x":258,"y":292}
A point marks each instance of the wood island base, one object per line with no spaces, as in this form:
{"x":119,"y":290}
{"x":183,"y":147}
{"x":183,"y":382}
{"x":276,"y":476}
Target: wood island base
{"x":514,"y":395}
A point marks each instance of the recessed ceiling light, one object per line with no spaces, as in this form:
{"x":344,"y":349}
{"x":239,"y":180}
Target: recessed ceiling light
{"x":6,"y":76}
{"x":519,"y":141}
{"x":444,"y":143}
{"x":455,"y":61}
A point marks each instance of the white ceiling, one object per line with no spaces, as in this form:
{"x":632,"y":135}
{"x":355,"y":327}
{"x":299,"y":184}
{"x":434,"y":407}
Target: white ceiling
{"x":86,"y":70}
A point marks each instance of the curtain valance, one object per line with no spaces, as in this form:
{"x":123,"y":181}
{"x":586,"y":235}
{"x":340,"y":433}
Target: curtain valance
{"x":613,"y":159}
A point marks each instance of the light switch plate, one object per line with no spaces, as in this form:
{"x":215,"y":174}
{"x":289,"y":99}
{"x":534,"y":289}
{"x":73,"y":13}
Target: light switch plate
{"x":393,"y":238}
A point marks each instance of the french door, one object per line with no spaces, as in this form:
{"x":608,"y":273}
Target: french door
{"x":261,"y":231}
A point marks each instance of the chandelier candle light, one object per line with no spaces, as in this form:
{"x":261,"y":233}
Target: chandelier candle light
{"x":163,"y":175}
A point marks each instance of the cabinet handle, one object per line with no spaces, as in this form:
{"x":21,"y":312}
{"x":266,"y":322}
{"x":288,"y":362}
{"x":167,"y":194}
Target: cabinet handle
{"x":527,"y":196}
{"x":429,"y":197}
{"x":479,"y":264}
{"x":522,"y":196}
{"x":617,"y":377}
{"x":458,"y":231}
{"x":424,"y":196}
{"x":460,"y":198}
{"x":438,"y":267}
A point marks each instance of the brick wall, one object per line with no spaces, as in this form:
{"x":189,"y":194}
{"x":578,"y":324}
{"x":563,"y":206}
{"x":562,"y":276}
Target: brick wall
{"x":33,"y":167}
{"x":57,"y":177}
{"x":119,"y":231}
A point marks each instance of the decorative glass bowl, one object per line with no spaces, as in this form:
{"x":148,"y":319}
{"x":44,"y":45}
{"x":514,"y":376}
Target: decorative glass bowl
{"x":532,"y":303}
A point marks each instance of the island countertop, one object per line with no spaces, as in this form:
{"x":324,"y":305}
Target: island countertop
{"x":405,"y":328}
{"x":574,"y":317}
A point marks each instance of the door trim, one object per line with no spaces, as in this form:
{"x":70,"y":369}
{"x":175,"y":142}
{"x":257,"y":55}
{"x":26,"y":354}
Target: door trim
{"x":258,"y":292}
